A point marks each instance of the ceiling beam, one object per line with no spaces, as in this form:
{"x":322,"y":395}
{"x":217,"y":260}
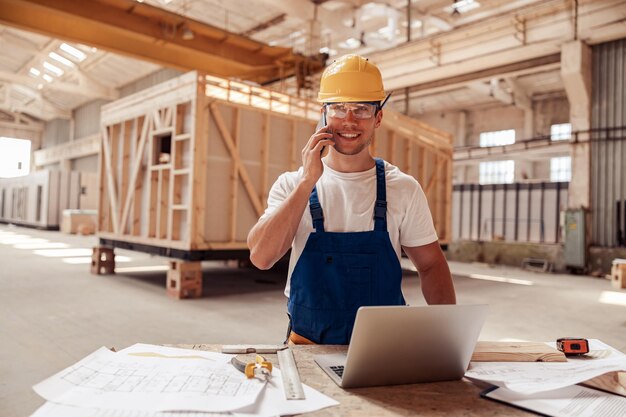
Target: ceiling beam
{"x":150,"y":33}
{"x":37,"y":107}
{"x":516,"y":69}
{"x":85,"y":87}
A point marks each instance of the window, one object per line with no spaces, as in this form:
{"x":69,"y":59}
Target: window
{"x":497,"y":138}
{"x":496,"y":172}
{"x":561,"y":168}
{"x":14,"y":157}
{"x":561,"y":131}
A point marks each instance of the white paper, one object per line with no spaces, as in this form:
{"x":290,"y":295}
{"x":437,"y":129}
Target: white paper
{"x":111,"y":380}
{"x":271,"y":402}
{"x":142,"y":349}
{"x":566,"y":402}
{"x":533,"y":377}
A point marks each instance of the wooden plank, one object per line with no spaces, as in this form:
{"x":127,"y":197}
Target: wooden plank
{"x":126,"y":152}
{"x":137,"y":165}
{"x":103,"y":199}
{"x":158,"y":214}
{"x":373,"y":145}
{"x":292,"y":147}
{"x":408,"y":156}
{"x":156,"y":120}
{"x":141,"y":123}
{"x":433,"y":177}
{"x":110,"y":179}
{"x":422,"y":167}
{"x":448,"y":203}
{"x":152,"y":207}
{"x":614,"y":382}
{"x":199,"y":145}
{"x":265,"y":158}
{"x":516,"y":352}
{"x":165,"y":208}
{"x":245,"y":178}
{"x":234,"y":176}
{"x":391,"y":147}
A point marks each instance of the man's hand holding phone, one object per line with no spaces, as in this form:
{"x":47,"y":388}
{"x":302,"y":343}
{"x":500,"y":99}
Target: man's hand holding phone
{"x":312,"y":154}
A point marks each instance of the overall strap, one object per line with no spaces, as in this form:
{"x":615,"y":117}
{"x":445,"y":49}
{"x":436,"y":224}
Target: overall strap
{"x":316,"y":211}
{"x":380,"y":208}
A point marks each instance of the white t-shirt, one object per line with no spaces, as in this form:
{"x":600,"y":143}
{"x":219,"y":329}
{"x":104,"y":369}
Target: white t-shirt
{"x":348,"y":199}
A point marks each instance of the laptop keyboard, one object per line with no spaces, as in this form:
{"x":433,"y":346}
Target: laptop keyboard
{"x":338,"y":370}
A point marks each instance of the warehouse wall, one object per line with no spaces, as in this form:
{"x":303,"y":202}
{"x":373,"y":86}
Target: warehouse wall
{"x":55,"y":132}
{"x":155,"y":78}
{"x":608,"y":150}
{"x":466,"y":127}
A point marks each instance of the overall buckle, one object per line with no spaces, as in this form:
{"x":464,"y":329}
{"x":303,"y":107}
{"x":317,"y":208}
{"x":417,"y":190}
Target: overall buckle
{"x":380,"y":209}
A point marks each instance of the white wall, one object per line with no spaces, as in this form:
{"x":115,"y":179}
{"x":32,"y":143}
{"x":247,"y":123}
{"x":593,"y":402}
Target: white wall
{"x":466,"y":126}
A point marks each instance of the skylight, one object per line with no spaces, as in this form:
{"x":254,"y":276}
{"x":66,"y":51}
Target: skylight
{"x":61,"y":59}
{"x":79,"y":55}
{"x":53,"y":68}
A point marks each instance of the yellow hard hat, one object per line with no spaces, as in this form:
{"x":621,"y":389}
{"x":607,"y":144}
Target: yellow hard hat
{"x":351,"y":78}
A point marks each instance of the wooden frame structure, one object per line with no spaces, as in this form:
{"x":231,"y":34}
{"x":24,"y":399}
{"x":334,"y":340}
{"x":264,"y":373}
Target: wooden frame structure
{"x":186,"y":165}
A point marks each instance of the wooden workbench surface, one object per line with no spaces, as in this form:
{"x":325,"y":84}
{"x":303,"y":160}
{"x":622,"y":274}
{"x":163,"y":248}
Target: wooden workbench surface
{"x":454,"y":398}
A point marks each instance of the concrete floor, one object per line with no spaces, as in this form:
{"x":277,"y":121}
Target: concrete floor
{"x":54,"y":312}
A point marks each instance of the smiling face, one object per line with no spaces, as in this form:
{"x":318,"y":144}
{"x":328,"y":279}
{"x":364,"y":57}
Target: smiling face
{"x":352,"y":135}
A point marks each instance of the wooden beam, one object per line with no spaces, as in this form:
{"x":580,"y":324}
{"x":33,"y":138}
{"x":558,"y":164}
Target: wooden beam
{"x":153,"y":34}
{"x":106,"y":148}
{"x":292,"y":147}
{"x":265,"y":157}
{"x":137,"y":165}
{"x":391,"y":147}
{"x":234,"y":175}
{"x":78,"y":148}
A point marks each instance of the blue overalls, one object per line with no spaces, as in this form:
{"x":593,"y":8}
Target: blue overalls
{"x":339,"y":272}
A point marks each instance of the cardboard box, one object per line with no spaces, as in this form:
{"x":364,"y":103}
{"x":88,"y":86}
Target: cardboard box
{"x":75,"y":220}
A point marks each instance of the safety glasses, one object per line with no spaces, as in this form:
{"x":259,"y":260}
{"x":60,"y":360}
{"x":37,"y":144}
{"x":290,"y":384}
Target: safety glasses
{"x":359,"y":110}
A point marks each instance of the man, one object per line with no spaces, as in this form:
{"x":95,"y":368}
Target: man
{"x":361,"y":211}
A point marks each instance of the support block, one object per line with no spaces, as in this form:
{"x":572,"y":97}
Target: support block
{"x":102,"y":260}
{"x":184,"y":279}
{"x":618,"y":276}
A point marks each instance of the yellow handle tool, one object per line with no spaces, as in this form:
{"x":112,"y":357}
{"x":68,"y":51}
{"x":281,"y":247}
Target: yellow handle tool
{"x":260,"y":368}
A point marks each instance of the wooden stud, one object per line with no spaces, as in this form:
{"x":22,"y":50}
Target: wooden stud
{"x":391,"y":147}
{"x":408,"y":156}
{"x":110,"y":179}
{"x":126,"y":152}
{"x":164,"y":206}
{"x":199,"y":147}
{"x":245,"y":178}
{"x":292,"y":147}
{"x":373,"y":145}
{"x":137,"y":165}
{"x":433,"y":177}
{"x":234,"y":177}
{"x":265,"y":158}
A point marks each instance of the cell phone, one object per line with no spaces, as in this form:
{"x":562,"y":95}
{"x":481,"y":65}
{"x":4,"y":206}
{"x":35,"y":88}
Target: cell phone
{"x":321,"y":124}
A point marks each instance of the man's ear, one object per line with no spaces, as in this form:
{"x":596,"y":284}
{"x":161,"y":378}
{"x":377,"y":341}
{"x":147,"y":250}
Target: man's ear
{"x":379,"y":118}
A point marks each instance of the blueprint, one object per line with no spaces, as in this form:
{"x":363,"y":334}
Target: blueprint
{"x":535,"y":377}
{"x":108,"y":380}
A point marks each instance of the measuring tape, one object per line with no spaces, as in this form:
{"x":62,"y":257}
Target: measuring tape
{"x":286,"y":362}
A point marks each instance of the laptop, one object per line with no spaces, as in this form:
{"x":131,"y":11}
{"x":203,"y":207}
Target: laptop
{"x":393,"y":345}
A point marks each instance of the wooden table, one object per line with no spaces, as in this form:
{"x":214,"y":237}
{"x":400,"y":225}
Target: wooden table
{"x":449,"y":399}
